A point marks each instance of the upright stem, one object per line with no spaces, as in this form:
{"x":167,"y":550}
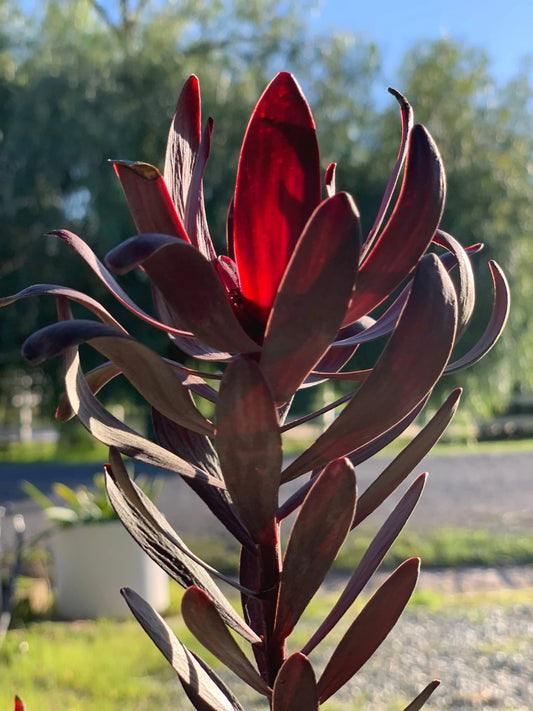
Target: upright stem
{"x":275,"y":651}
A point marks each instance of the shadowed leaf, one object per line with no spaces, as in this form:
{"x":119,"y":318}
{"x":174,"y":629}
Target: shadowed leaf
{"x":204,"y":688}
{"x":403,"y":374}
{"x":370,"y":561}
{"x":110,"y":431}
{"x":189,"y":285}
{"x":313,"y":295}
{"x":407,"y":125}
{"x":248,"y":442}
{"x":157,"y":537}
{"x":466,"y":292}
{"x":145,"y":369}
{"x":410,"y":229}
{"x":316,"y":537}
{"x":369,"y":629}
{"x":72,"y":294}
{"x":498,"y":319}
{"x":149,"y":201}
{"x":295,"y":686}
{"x":406,"y":461}
{"x":278,"y":187}
{"x":86,"y":253}
{"x":203,"y":620}
{"x":182,"y":144}
{"x":422,"y":697}
{"x":198,"y":450}
{"x":195,"y":218}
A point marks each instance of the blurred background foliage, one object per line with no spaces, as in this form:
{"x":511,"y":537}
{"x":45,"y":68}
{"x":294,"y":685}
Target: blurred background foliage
{"x":83,"y":81}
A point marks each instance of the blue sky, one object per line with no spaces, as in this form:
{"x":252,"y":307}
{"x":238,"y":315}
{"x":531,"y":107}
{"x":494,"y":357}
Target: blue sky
{"x":503,"y":29}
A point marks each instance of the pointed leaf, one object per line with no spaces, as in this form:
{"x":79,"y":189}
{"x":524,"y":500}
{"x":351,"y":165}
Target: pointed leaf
{"x":203,"y":620}
{"x":198,"y":450}
{"x":407,"y":125}
{"x":466,"y":292}
{"x":157,"y":537}
{"x":248,"y":442}
{"x":86,"y":253}
{"x":313,"y":295}
{"x":108,"y":429}
{"x":278,"y":187}
{"x":422,"y":697}
{"x":149,"y":201}
{"x":199,"y":684}
{"x":402,"y":465}
{"x":329,"y":179}
{"x":295,"y":686}
{"x":19,"y":706}
{"x":190,"y":286}
{"x":402,"y":376}
{"x":495,"y":326}
{"x":182,"y":144}
{"x":195,"y":218}
{"x":72,"y":294}
{"x":146,"y":371}
{"x":316,"y":537}
{"x":369,"y":629}
{"x":371,"y":560}
{"x":410,"y":229}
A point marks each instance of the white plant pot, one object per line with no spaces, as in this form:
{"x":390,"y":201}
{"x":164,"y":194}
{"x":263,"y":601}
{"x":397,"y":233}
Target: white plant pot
{"x":92,"y":562}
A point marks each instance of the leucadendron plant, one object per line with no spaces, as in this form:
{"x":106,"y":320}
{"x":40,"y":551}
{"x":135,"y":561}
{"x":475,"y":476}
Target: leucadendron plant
{"x":285,"y":309}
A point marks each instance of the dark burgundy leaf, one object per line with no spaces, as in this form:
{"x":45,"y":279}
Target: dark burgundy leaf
{"x":422,"y":697}
{"x":402,"y":376}
{"x":154,"y":534}
{"x":407,"y":460}
{"x":369,"y":629}
{"x":248,"y":442}
{"x":466,"y":292}
{"x":204,"y":621}
{"x":203,"y":687}
{"x":278,"y":187}
{"x":182,"y":144}
{"x":313,"y":295}
{"x":72,"y":294}
{"x":189,"y":285}
{"x":498,"y":319}
{"x":318,"y":533}
{"x":329,"y":179}
{"x":410,"y":229}
{"x":295,"y":686}
{"x":407,"y":125}
{"x":148,"y":372}
{"x":149,"y":201}
{"x":198,"y":450}
{"x":86,"y":253}
{"x":370,"y":560}
{"x":195,"y":218}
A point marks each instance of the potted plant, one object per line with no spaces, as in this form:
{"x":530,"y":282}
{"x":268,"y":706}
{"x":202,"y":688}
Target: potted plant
{"x":93,"y":555}
{"x":286,"y":308}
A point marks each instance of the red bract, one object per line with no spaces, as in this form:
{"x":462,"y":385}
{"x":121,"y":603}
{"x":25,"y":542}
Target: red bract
{"x":288,"y":306}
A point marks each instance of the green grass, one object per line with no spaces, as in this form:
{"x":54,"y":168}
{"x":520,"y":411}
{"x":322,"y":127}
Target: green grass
{"x":438,"y":548}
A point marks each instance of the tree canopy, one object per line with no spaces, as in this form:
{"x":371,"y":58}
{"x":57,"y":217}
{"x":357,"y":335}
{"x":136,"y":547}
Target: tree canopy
{"x":82,"y":81}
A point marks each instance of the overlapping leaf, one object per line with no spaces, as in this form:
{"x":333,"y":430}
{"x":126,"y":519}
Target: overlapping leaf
{"x":319,"y":531}
{"x":203,"y":620}
{"x":369,"y":629}
{"x":313,"y":296}
{"x":404,"y":463}
{"x":149,"y":201}
{"x":155,"y":535}
{"x":295,"y":686}
{"x":248,"y":442}
{"x":370,"y":561}
{"x":410,"y":229}
{"x":278,"y":187}
{"x":146,"y":371}
{"x":204,"y":688}
{"x":401,"y":377}
{"x":190,"y":286}
{"x":198,"y":450}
